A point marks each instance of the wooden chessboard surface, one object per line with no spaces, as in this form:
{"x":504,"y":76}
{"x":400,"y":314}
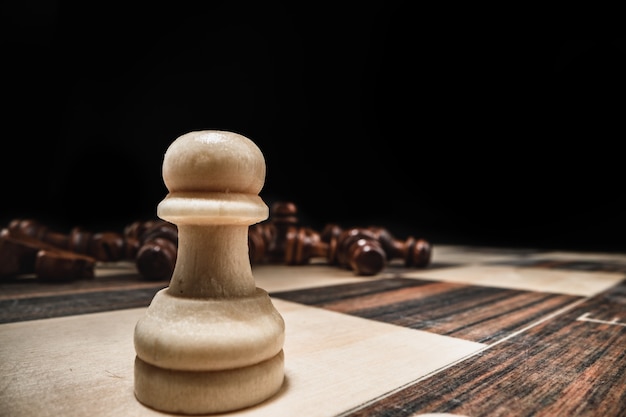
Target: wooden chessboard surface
{"x":479,"y":332}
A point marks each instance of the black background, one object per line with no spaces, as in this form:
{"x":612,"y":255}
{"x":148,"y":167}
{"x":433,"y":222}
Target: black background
{"x":486,"y":127}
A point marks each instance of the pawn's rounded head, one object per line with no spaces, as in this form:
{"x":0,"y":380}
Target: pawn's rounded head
{"x":214,"y":161}
{"x":213,"y":177}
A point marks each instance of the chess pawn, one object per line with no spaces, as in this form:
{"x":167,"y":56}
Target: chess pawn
{"x":330,"y":231}
{"x":24,"y":254}
{"x":18,"y":253}
{"x":156,"y":259}
{"x":260,"y":237}
{"x":415,"y":253}
{"x":62,"y":265}
{"x":104,"y":246}
{"x":137,"y":229}
{"x":108,"y":246}
{"x":302,"y":244}
{"x":211,"y":341}
{"x":134,"y":235}
{"x":76,"y":241}
{"x":283,"y":216}
{"x":366,"y":257}
{"x":370,"y":249}
{"x":158,"y":249}
{"x":28,"y":227}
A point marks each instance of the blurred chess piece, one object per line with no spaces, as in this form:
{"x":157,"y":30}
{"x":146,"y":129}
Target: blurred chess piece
{"x":359,"y":250}
{"x":283,"y":215}
{"x":106,"y":246}
{"x":23,"y":254}
{"x":415,"y":253}
{"x":158,"y":249}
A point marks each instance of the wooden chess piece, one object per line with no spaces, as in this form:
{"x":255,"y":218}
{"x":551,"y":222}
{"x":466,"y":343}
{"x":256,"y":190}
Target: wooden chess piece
{"x":260,"y":239}
{"x":78,"y":240}
{"x":18,"y":253}
{"x":137,"y":229}
{"x":61,"y":265}
{"x":283,"y":216}
{"x":211,"y":341}
{"x":366,"y":256}
{"x":330,"y":235}
{"x":104,"y":246}
{"x":24,"y":254}
{"x":330,"y":231}
{"x":27,"y":227}
{"x":108,"y":246}
{"x":359,"y":245}
{"x":134,"y":235}
{"x":302,"y":244}
{"x":415,"y":253}
{"x":158,"y":247}
{"x":156,"y":259}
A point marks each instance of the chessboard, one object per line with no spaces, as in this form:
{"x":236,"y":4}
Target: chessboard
{"x":477,"y":332}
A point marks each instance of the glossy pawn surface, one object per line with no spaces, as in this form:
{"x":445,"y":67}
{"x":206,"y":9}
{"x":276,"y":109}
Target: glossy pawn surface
{"x":211,"y":341}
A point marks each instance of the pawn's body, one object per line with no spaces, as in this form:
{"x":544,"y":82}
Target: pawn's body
{"x":212,"y":341}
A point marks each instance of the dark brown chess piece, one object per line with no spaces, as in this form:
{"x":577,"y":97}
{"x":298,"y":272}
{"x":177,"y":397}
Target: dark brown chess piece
{"x":28,"y":227}
{"x":77,"y":240}
{"x":23,"y":254}
{"x":358,"y":249}
{"x":345,"y":239}
{"x":302,"y":244}
{"x":109,"y":246}
{"x":366,"y":257}
{"x":158,"y":250}
{"x":283,"y":215}
{"x":156,"y":259}
{"x":60,"y":265}
{"x":133,"y":235}
{"x":330,"y":231}
{"x":104,"y":246}
{"x":17,"y":256}
{"x":415,"y":253}
{"x":136,"y":229}
{"x":260,"y":238}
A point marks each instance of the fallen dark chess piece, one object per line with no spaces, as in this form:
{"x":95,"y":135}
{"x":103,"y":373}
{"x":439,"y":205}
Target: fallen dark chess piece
{"x":27,"y":246}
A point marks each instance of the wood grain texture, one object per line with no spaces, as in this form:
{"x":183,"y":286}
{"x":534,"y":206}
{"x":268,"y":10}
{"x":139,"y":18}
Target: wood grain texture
{"x":33,"y":308}
{"x":115,"y":286}
{"x":479,"y":314}
{"x":565,"y":366}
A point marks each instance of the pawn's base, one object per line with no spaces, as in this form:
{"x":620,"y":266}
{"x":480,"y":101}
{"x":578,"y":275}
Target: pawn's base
{"x":206,"y":392}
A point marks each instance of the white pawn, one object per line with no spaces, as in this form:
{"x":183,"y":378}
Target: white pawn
{"x":211,"y":341}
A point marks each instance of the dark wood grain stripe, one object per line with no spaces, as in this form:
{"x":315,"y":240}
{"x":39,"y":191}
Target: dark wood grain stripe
{"x":30,"y":287}
{"x":23,"y":309}
{"x":561,"y":367}
{"x":476,"y":313}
